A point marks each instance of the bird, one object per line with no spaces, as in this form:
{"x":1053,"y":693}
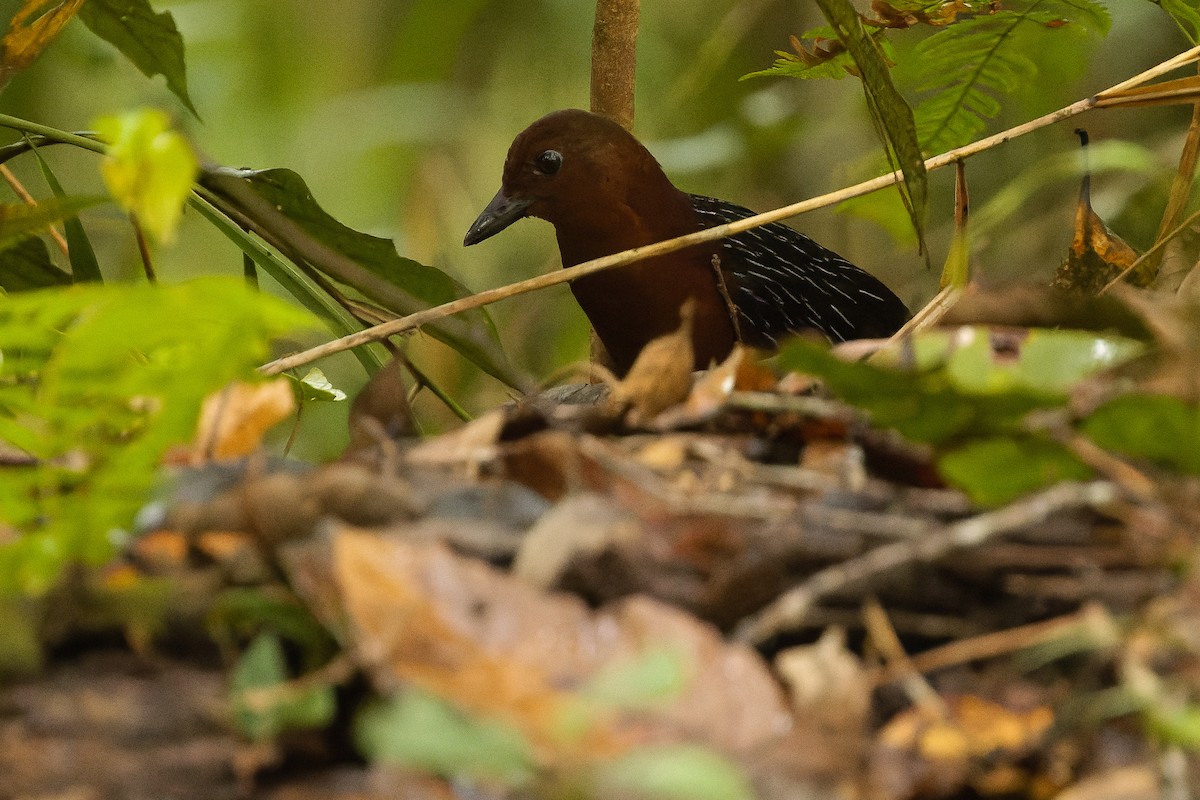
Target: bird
{"x":604,"y":192}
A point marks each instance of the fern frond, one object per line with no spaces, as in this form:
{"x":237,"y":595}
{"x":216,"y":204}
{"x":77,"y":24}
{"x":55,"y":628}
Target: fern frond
{"x":969,"y":66}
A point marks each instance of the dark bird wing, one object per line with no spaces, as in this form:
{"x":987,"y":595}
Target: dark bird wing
{"x":782,"y":281}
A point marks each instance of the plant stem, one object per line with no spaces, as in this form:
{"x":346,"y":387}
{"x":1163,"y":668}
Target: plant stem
{"x":53,"y":134}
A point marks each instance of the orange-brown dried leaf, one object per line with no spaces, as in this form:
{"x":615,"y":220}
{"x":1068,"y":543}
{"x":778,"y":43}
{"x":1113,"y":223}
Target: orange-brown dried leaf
{"x":496,"y":646}
{"x":1097,"y":255}
{"x":23,"y":43}
{"x":917,"y":749}
{"x":234,"y":420}
{"x":162,"y":550}
{"x":907,"y":14}
{"x":661,"y":376}
{"x":707,"y":396}
{"x":823,"y":49}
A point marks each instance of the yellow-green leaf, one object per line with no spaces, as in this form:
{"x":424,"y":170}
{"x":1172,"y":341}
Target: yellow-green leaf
{"x":149,"y":170}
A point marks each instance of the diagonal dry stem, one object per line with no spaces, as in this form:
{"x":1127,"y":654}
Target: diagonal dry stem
{"x":488,"y":296}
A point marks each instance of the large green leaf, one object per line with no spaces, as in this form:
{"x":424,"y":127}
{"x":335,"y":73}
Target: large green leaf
{"x":956,"y":392}
{"x":277,"y":205}
{"x":84,"y":266}
{"x":290,"y":195}
{"x":150,"y":40}
{"x":262,"y":667}
{"x":971,"y":399}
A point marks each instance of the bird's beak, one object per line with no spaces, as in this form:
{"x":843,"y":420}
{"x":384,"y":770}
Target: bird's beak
{"x":499,"y":214}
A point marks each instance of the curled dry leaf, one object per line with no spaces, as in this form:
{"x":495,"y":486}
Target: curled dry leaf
{"x":709,"y":394}
{"x":661,"y":376}
{"x":1097,"y":255}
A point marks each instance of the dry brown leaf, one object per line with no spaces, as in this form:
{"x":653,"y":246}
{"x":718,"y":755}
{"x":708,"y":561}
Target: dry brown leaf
{"x":495,"y":645}
{"x":234,"y":420}
{"x":161,"y":550}
{"x":661,"y":376}
{"x":828,"y":685}
{"x":381,"y":410}
{"x":708,"y":395}
{"x":582,"y":526}
{"x":23,"y":43}
{"x":1097,"y":255}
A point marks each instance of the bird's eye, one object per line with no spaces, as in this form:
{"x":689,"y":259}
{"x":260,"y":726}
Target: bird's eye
{"x":548,"y":162}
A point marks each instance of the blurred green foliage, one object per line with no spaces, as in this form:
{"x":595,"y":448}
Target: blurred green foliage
{"x":95,"y":384}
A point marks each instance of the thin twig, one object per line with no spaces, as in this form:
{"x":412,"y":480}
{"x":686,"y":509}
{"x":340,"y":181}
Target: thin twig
{"x":885,"y":639}
{"x":789,"y":609}
{"x":625,"y":257}
{"x":143,"y":249}
{"x":1090,"y":618}
{"x":1158,"y":246}
{"x":23,"y":193}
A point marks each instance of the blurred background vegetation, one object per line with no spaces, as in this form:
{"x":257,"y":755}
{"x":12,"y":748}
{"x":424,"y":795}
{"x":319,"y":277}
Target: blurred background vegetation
{"x":398,"y":114}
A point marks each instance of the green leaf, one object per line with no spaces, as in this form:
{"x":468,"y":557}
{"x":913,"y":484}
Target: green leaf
{"x":648,"y":680}
{"x":315,"y":386}
{"x":19,"y":220}
{"x":26,"y":265}
{"x":288,"y":276}
{"x":967,"y":66}
{"x":1176,"y":726}
{"x":150,"y":40}
{"x":288,"y":194}
{"x":421,"y":731}
{"x":284,"y":212}
{"x":890,"y":112}
{"x":84,"y":266}
{"x":1048,"y":361}
{"x":961,"y":388}
{"x":925,"y":406}
{"x":956,"y":271}
{"x":1156,"y":427}
{"x":674,"y":772}
{"x":149,"y":168}
{"x":239,"y":612}
{"x":263,"y":668}
{"x":1185,"y":14}
{"x":996,"y":471}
